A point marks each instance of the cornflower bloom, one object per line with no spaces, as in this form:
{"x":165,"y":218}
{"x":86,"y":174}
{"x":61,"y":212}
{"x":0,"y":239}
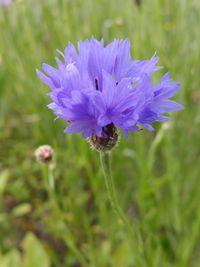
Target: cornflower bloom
{"x":5,"y":2}
{"x":98,"y":89}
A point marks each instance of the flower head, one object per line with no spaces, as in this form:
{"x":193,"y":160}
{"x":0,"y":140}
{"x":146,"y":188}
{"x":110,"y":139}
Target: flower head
{"x":44,"y":154}
{"x":98,"y":88}
{"x":5,"y":2}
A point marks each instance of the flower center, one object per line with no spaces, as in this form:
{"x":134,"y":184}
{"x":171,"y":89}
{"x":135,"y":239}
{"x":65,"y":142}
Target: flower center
{"x":96,"y":84}
{"x":108,"y":141}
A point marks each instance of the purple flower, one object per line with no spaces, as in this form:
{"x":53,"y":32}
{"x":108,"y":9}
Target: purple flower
{"x":98,"y":88}
{"x":5,"y":2}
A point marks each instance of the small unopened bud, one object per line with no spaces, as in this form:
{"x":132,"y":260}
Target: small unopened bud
{"x":167,"y":125}
{"x":5,"y":3}
{"x":106,"y":143}
{"x":44,"y":154}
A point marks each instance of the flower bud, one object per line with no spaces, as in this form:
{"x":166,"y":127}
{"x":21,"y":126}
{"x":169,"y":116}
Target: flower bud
{"x":44,"y":154}
{"x":107,"y":142}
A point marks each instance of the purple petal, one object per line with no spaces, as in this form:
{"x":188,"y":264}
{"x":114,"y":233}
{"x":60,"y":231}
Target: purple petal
{"x":165,"y":106}
{"x":165,"y":88}
{"x":52,"y":73}
{"x":45,"y":79}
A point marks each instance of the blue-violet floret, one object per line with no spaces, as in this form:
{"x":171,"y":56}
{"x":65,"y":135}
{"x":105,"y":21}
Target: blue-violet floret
{"x":100,"y":88}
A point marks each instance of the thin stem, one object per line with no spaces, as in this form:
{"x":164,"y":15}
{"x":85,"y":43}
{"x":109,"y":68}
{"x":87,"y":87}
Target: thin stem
{"x":49,"y":183}
{"x":51,"y":178}
{"x":68,"y":236}
{"x":106,"y":166}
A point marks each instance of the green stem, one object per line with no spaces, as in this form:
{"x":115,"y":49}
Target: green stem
{"x":49,"y":183}
{"x":68,"y":236}
{"x":106,"y":166}
{"x":51,"y":179}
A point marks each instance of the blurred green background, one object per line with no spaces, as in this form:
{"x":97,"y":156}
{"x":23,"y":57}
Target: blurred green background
{"x":157,"y":175}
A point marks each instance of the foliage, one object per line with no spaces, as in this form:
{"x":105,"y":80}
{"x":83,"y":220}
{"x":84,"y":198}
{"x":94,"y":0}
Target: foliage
{"x":156,"y":174}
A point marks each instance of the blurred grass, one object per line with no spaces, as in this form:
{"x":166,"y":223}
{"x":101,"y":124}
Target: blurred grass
{"x":156,"y":174}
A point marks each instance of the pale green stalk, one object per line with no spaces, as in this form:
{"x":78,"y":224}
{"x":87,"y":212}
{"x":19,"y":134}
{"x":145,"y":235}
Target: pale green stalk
{"x":106,"y":167}
{"x":68,"y":237}
{"x":109,"y":182}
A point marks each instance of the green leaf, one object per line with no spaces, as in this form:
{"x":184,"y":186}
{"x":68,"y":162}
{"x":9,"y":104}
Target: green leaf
{"x":35,"y":254}
{"x":22,"y":209}
{"x":123,"y":256}
{"x":4,"y":176}
{"x":12,"y":259}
